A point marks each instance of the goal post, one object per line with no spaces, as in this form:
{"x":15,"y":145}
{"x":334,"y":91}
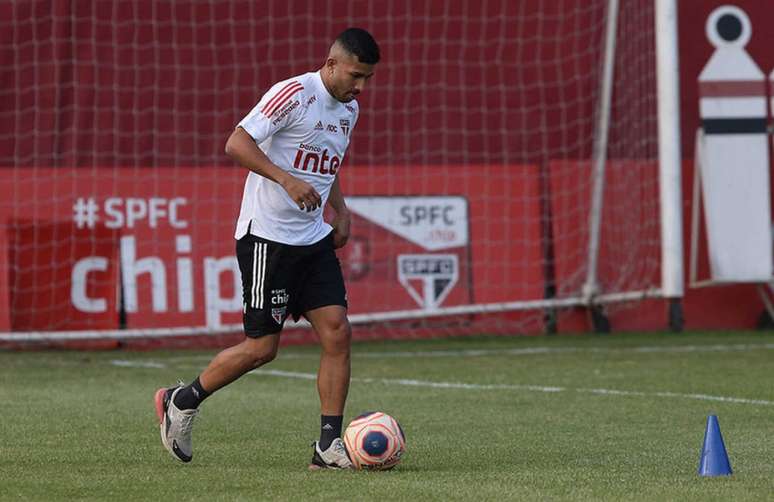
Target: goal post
{"x":669,"y":156}
{"x":512,"y":159}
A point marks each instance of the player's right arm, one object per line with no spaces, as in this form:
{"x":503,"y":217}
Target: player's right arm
{"x":242,"y":148}
{"x":276,"y":110}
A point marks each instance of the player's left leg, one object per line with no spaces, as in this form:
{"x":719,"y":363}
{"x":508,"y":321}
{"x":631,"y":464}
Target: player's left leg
{"x":322,"y":298}
{"x":332,"y":327}
{"x":335,"y":335}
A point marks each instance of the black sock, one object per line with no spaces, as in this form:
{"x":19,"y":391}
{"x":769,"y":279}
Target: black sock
{"x":191,"y":396}
{"x":330,"y":429}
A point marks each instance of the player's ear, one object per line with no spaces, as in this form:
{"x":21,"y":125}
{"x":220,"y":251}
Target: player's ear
{"x":329,"y":64}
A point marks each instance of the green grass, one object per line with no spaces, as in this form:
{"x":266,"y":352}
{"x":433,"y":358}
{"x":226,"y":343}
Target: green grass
{"x":76,"y":426}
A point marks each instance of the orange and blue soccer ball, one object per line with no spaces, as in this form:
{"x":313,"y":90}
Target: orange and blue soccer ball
{"x":375,"y":441}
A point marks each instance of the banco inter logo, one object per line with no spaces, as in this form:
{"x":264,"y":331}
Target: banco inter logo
{"x":322,"y":162}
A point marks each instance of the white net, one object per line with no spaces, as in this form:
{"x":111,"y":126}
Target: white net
{"x":469,"y":173}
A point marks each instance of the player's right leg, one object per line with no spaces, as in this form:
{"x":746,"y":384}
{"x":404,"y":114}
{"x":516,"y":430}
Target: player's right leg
{"x":177,"y":407}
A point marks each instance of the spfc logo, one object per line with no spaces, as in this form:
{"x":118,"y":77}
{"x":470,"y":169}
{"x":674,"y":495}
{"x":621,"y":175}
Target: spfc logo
{"x":428,"y":278}
{"x":278,"y":314}
{"x":344,"y":123}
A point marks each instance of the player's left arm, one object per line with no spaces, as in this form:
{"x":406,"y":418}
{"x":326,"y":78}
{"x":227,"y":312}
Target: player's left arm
{"x":341,"y":222}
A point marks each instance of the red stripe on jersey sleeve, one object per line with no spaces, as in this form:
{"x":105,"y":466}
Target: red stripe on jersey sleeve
{"x":285,"y":98}
{"x":278,"y":94}
{"x":281,"y":98}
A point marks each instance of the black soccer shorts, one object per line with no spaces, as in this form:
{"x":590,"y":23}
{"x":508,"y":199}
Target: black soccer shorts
{"x":279,"y":280}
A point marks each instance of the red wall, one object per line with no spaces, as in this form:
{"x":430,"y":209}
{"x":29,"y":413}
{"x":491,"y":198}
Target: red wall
{"x":162,"y":83}
{"x":148,"y":83}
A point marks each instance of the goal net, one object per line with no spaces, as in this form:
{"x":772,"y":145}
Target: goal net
{"x":470,"y":175}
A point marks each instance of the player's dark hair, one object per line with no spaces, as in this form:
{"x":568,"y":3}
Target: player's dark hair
{"x":359,"y":42}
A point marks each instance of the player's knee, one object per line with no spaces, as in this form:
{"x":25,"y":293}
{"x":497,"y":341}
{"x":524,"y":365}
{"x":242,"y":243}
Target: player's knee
{"x":341,"y":330}
{"x":268,"y":355}
{"x":337,"y":336}
{"x":258,"y":359}
{"x":259,"y":353}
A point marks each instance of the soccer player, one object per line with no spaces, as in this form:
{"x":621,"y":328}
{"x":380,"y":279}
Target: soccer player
{"x":293,"y":143}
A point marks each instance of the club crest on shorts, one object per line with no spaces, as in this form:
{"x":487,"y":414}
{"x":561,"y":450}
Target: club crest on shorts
{"x":428,"y":278}
{"x":279,"y":302}
{"x":278,"y":314}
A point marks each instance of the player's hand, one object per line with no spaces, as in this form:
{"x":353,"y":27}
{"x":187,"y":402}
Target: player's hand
{"x":302,"y":193}
{"x":340,"y":224}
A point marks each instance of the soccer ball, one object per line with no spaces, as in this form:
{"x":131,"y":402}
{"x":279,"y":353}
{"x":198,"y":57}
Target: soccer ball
{"x":374,"y":441}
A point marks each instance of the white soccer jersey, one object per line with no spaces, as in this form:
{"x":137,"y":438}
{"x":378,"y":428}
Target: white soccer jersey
{"x":305,"y":131}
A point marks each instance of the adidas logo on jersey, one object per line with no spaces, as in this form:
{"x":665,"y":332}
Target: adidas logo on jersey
{"x":319,"y":126}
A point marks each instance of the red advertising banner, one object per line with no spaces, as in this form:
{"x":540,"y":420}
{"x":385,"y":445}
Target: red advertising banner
{"x":151,"y":248}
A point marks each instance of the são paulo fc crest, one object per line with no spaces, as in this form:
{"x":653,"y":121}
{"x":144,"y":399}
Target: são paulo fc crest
{"x":279,"y":302}
{"x":279,"y":314}
{"x":428,"y":278}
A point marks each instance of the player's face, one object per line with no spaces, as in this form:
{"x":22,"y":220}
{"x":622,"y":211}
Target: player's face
{"x":348,"y":76}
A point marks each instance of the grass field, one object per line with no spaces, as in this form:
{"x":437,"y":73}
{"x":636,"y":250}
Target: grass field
{"x":616,"y":417}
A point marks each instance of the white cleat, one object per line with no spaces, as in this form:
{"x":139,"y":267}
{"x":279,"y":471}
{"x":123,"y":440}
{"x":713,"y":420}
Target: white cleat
{"x":335,"y":457}
{"x":175,"y":424}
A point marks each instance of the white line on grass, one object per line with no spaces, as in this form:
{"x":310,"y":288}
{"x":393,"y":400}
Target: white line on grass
{"x":554,"y":350}
{"x":534,"y":388}
{"x":700,"y":397}
{"x":415,"y":383}
{"x":137,"y":364}
{"x":526,"y":351}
